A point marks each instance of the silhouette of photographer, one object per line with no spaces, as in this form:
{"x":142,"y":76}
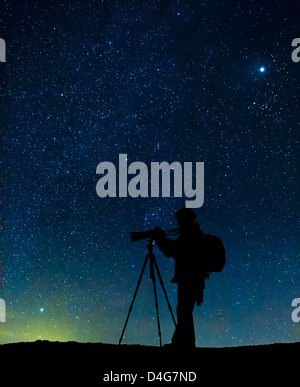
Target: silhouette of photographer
{"x":196,"y":256}
{"x":189,"y":275}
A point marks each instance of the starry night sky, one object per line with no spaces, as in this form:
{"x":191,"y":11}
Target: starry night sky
{"x":209,"y":81}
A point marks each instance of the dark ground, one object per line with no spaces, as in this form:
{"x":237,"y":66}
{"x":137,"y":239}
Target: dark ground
{"x":85,"y":364}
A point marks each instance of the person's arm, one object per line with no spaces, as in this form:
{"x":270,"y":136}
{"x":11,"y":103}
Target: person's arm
{"x":165,"y":245}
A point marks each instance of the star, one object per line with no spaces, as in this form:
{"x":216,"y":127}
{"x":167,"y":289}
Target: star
{"x":262,"y":69}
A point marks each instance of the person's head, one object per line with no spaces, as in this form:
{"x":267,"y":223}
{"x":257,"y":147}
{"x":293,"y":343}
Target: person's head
{"x":185,"y":217}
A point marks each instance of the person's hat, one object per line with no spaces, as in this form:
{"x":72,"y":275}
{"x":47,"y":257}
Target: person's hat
{"x":186,"y":214}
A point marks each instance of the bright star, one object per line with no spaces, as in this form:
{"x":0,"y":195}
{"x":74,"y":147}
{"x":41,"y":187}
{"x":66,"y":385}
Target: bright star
{"x":262,"y":69}
{"x":41,"y":310}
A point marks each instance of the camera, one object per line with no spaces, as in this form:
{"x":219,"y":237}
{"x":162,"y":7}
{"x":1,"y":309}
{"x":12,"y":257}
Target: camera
{"x":149,"y":234}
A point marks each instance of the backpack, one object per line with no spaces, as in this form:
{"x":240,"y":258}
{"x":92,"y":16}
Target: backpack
{"x":214,"y":253}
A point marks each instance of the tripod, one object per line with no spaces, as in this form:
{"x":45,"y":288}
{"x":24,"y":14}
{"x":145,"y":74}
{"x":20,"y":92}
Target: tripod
{"x":153,"y":264}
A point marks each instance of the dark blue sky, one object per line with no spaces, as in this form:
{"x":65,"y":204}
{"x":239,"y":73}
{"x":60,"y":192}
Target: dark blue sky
{"x":160,"y":81}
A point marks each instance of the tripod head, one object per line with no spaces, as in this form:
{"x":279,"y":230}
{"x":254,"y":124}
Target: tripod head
{"x":150,"y":245}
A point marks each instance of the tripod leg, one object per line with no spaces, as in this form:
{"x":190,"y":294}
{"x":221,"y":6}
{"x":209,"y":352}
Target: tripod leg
{"x":152,"y":275}
{"x":164,"y":290}
{"x":134,"y":296}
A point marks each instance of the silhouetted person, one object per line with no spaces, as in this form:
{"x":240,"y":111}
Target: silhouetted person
{"x":189,"y":276}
